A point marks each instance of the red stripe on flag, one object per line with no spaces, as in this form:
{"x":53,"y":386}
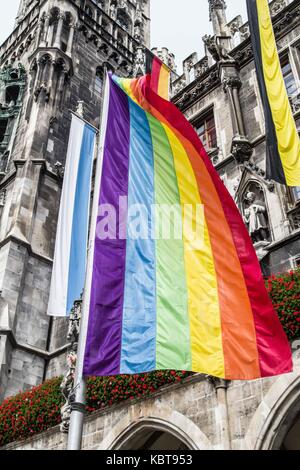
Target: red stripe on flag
{"x":155,"y":73}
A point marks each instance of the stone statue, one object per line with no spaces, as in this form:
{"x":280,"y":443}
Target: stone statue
{"x":256,"y":218}
{"x":137,"y":33}
{"x":217,"y":51}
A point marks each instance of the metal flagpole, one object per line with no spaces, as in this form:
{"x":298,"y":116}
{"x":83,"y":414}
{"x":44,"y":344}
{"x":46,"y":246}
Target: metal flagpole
{"x":78,"y":406}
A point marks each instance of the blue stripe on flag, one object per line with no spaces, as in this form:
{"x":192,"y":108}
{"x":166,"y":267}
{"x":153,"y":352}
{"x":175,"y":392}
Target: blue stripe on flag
{"x":139,"y":311}
{"x":78,"y":251}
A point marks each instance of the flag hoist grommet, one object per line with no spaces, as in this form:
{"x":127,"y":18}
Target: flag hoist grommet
{"x":282,"y":139}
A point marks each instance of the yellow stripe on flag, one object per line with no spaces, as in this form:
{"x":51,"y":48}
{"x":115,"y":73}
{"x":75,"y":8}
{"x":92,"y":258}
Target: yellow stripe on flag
{"x":203,"y":298}
{"x":285,"y":126}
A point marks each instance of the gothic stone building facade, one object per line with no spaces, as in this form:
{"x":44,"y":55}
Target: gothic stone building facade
{"x":54,"y":59}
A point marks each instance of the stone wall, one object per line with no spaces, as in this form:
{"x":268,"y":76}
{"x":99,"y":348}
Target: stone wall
{"x":255,"y":414}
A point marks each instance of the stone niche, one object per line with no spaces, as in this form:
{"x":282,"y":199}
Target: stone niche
{"x":255,"y":213}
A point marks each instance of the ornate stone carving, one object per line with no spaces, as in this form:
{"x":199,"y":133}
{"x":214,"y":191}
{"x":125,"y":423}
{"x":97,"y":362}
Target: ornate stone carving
{"x":255,"y":214}
{"x":50,"y":73}
{"x":2,"y":197}
{"x":113,"y":11}
{"x":137,"y":33}
{"x":232,"y":82}
{"x":122,"y":4}
{"x":255,"y":170}
{"x":235,"y":25}
{"x":245,"y":31}
{"x":201,"y":67}
{"x":139,"y":66}
{"x":294,"y":218}
{"x":217,"y":15}
{"x":12,"y":85}
{"x":277,"y":6}
{"x":217,"y":383}
{"x":80,"y":108}
{"x":244,"y":55}
{"x":216,"y":48}
{"x":199,"y":89}
{"x":241,"y":150}
{"x":286,"y":20}
{"x":295,"y":103}
{"x":67,"y":385}
{"x":138,"y":19}
{"x":178,"y":85}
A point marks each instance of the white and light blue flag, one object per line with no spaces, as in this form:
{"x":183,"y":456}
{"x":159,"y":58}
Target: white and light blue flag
{"x":69,"y":266}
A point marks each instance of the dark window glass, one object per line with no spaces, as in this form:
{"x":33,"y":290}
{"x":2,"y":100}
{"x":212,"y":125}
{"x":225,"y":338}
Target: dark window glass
{"x":3,"y":126}
{"x":206,"y":129}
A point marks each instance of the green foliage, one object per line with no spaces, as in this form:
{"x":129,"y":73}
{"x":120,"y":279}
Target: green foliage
{"x":284,"y":290}
{"x":30,"y":412}
{"x":37,"y":410}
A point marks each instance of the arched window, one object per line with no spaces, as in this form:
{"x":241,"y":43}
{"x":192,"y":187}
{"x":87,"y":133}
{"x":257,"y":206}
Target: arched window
{"x":124,"y":20}
{"x":121,"y":38}
{"x":89,"y":11}
{"x":12,"y":93}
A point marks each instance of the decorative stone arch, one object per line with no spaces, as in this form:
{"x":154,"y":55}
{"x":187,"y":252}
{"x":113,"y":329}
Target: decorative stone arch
{"x":159,"y":419}
{"x":276,"y":412}
{"x":244,"y":185}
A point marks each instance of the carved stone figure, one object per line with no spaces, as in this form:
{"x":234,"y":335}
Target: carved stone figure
{"x":67,"y":385}
{"x":256,"y":218}
{"x":217,"y":51}
{"x":139,"y":66}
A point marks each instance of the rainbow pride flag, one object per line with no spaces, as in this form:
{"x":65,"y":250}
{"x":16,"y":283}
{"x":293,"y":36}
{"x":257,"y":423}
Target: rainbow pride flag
{"x":168,"y":303}
{"x":160,"y":75}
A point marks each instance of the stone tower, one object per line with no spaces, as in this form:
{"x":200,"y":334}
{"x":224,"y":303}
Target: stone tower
{"x":53,"y":59}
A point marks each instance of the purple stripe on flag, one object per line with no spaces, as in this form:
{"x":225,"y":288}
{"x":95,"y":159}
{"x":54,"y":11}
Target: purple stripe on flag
{"x":103,"y":347}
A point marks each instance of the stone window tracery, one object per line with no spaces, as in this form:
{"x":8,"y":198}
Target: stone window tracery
{"x":12,"y":84}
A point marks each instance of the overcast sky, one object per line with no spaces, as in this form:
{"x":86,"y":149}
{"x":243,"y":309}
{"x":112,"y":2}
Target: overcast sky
{"x":176,"y":24}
